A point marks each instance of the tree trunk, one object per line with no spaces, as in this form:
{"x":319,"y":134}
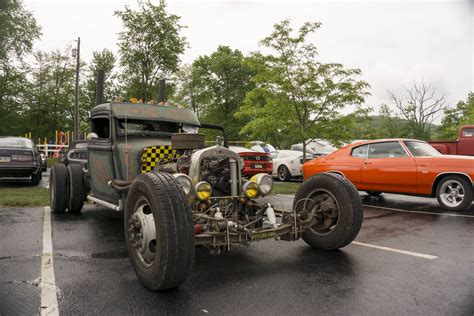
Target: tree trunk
{"x":304,"y":150}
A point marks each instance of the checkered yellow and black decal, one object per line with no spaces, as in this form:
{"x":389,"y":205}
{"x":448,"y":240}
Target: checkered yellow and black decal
{"x":151,"y":156}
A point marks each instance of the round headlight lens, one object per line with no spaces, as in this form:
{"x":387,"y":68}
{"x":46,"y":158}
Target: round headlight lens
{"x":250,"y":189}
{"x":203,"y":190}
{"x":185,"y":182}
{"x":264,"y":182}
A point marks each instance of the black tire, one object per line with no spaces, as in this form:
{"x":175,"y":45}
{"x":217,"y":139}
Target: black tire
{"x":161,"y":196}
{"x":341,"y":230}
{"x":283,"y":173}
{"x":76,"y":188}
{"x":374,"y":193}
{"x":462,"y":186}
{"x":36,"y":177}
{"x":58,"y":188}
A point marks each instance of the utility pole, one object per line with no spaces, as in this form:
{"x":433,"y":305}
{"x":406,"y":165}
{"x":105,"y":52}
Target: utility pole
{"x":77,"y":54}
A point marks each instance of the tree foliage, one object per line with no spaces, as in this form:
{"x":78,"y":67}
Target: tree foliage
{"x":18,"y":30}
{"x":296,"y":96}
{"x":149,"y":47}
{"x":101,"y":60}
{"x":219,"y":84}
{"x":462,"y":114}
{"x":420,"y":107}
{"x":49,"y":103}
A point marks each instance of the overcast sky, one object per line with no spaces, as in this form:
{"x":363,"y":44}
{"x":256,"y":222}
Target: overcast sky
{"x":392,"y":42}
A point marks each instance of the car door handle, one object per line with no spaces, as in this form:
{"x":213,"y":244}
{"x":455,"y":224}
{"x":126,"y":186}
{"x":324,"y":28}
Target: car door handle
{"x":367,"y":163}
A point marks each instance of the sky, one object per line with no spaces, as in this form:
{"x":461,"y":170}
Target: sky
{"x":394,"y":43}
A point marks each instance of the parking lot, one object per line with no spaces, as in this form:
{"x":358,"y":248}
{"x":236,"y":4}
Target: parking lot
{"x":409,"y":258}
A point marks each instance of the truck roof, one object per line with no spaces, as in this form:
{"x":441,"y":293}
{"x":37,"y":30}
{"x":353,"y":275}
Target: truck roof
{"x":147,"y":112}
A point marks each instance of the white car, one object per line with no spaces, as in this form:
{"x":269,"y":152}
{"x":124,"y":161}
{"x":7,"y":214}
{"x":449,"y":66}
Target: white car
{"x":287,"y":164}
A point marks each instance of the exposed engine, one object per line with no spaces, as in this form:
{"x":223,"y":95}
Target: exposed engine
{"x":216,"y":171}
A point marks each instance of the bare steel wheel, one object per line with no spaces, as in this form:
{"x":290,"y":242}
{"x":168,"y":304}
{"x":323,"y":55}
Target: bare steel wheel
{"x":142,"y":232}
{"x":454,"y":193}
{"x":337,"y":208}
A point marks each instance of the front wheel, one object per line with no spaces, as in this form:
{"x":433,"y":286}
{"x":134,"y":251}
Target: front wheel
{"x":338,"y":210}
{"x":59,"y":188}
{"x":454,"y":193}
{"x":159,"y":231}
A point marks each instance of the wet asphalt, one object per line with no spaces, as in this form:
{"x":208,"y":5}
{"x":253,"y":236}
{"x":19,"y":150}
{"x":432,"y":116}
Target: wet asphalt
{"x":94,"y":275}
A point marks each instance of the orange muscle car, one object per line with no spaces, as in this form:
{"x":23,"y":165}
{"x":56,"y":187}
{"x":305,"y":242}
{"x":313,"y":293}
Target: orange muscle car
{"x":403,"y":166}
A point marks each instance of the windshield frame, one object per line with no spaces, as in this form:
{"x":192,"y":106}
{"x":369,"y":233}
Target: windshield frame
{"x":120,"y":132}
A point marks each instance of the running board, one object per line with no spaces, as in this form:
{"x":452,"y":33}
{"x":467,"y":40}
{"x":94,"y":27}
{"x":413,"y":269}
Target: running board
{"x":118,"y":207}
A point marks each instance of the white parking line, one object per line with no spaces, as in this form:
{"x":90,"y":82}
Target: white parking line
{"x":405,"y":252}
{"x":49,"y":300}
{"x":419,"y":212}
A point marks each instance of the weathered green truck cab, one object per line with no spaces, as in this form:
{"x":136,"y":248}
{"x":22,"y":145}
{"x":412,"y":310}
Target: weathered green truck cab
{"x":176,"y":193}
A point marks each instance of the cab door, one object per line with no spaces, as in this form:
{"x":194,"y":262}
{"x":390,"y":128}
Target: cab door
{"x":100,"y":160}
{"x":389,"y":168}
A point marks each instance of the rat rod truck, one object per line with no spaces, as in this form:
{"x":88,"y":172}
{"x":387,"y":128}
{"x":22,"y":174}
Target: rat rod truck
{"x":150,"y":162}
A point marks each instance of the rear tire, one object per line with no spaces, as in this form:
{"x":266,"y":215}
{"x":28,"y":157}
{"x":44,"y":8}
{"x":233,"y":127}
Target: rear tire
{"x":159,"y":231}
{"x":339,"y":210}
{"x":374,"y":193}
{"x":283,"y":173}
{"x":449,"y":192}
{"x":76,"y":188}
{"x":58,"y":188}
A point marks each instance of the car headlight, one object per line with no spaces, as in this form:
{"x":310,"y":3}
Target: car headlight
{"x":185,"y":182}
{"x":264,"y":182}
{"x":203,"y":190}
{"x":250,"y":189}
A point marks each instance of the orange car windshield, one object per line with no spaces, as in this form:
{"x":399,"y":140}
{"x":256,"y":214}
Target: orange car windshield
{"x":418,"y":149}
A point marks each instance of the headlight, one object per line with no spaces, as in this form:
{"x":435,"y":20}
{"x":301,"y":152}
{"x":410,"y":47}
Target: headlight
{"x":250,"y":189}
{"x":264,"y":182}
{"x":185,"y":182}
{"x":203,"y":190}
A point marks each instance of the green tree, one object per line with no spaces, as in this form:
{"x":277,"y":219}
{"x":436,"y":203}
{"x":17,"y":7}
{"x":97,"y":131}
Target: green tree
{"x":297,"y":97}
{"x":219,"y":83}
{"x":18,"y":30}
{"x":462,"y":114}
{"x":149,"y":47}
{"x":106,"y":61}
{"x":49,"y":104}
{"x":420,"y":107}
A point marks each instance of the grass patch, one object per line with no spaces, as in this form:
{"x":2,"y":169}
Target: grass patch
{"x":22,"y":197}
{"x":52,"y":161}
{"x":285,"y":187}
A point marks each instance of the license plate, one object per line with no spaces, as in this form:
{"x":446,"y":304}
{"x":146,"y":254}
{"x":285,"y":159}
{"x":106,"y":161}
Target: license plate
{"x":5,"y":159}
{"x":258,"y":166}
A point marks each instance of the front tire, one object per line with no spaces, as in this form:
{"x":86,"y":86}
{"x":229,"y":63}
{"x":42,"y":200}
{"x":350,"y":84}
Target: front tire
{"x":454,"y":193}
{"x":76,"y":188}
{"x":159,"y":231}
{"x":283,"y":173}
{"x":59,"y":188}
{"x":338,"y":210}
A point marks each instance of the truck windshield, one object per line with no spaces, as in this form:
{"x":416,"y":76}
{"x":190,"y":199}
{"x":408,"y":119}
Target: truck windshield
{"x":418,"y":149}
{"x":135,"y":127}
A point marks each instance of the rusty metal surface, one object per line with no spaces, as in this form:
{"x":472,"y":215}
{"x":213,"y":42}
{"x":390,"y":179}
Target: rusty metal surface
{"x":148,"y":112}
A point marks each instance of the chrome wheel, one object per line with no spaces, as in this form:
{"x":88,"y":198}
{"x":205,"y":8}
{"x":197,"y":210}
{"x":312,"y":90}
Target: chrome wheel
{"x":142,"y":232}
{"x":452,"y":193}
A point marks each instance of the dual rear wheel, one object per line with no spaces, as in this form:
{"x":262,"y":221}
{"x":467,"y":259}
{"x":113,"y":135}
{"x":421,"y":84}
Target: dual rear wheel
{"x":66,"y":188}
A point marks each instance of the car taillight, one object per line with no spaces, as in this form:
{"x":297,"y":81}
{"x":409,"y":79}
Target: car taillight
{"x":22,"y":157}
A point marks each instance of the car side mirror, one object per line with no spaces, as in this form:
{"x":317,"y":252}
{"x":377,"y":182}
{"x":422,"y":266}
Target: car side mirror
{"x":92,"y":136}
